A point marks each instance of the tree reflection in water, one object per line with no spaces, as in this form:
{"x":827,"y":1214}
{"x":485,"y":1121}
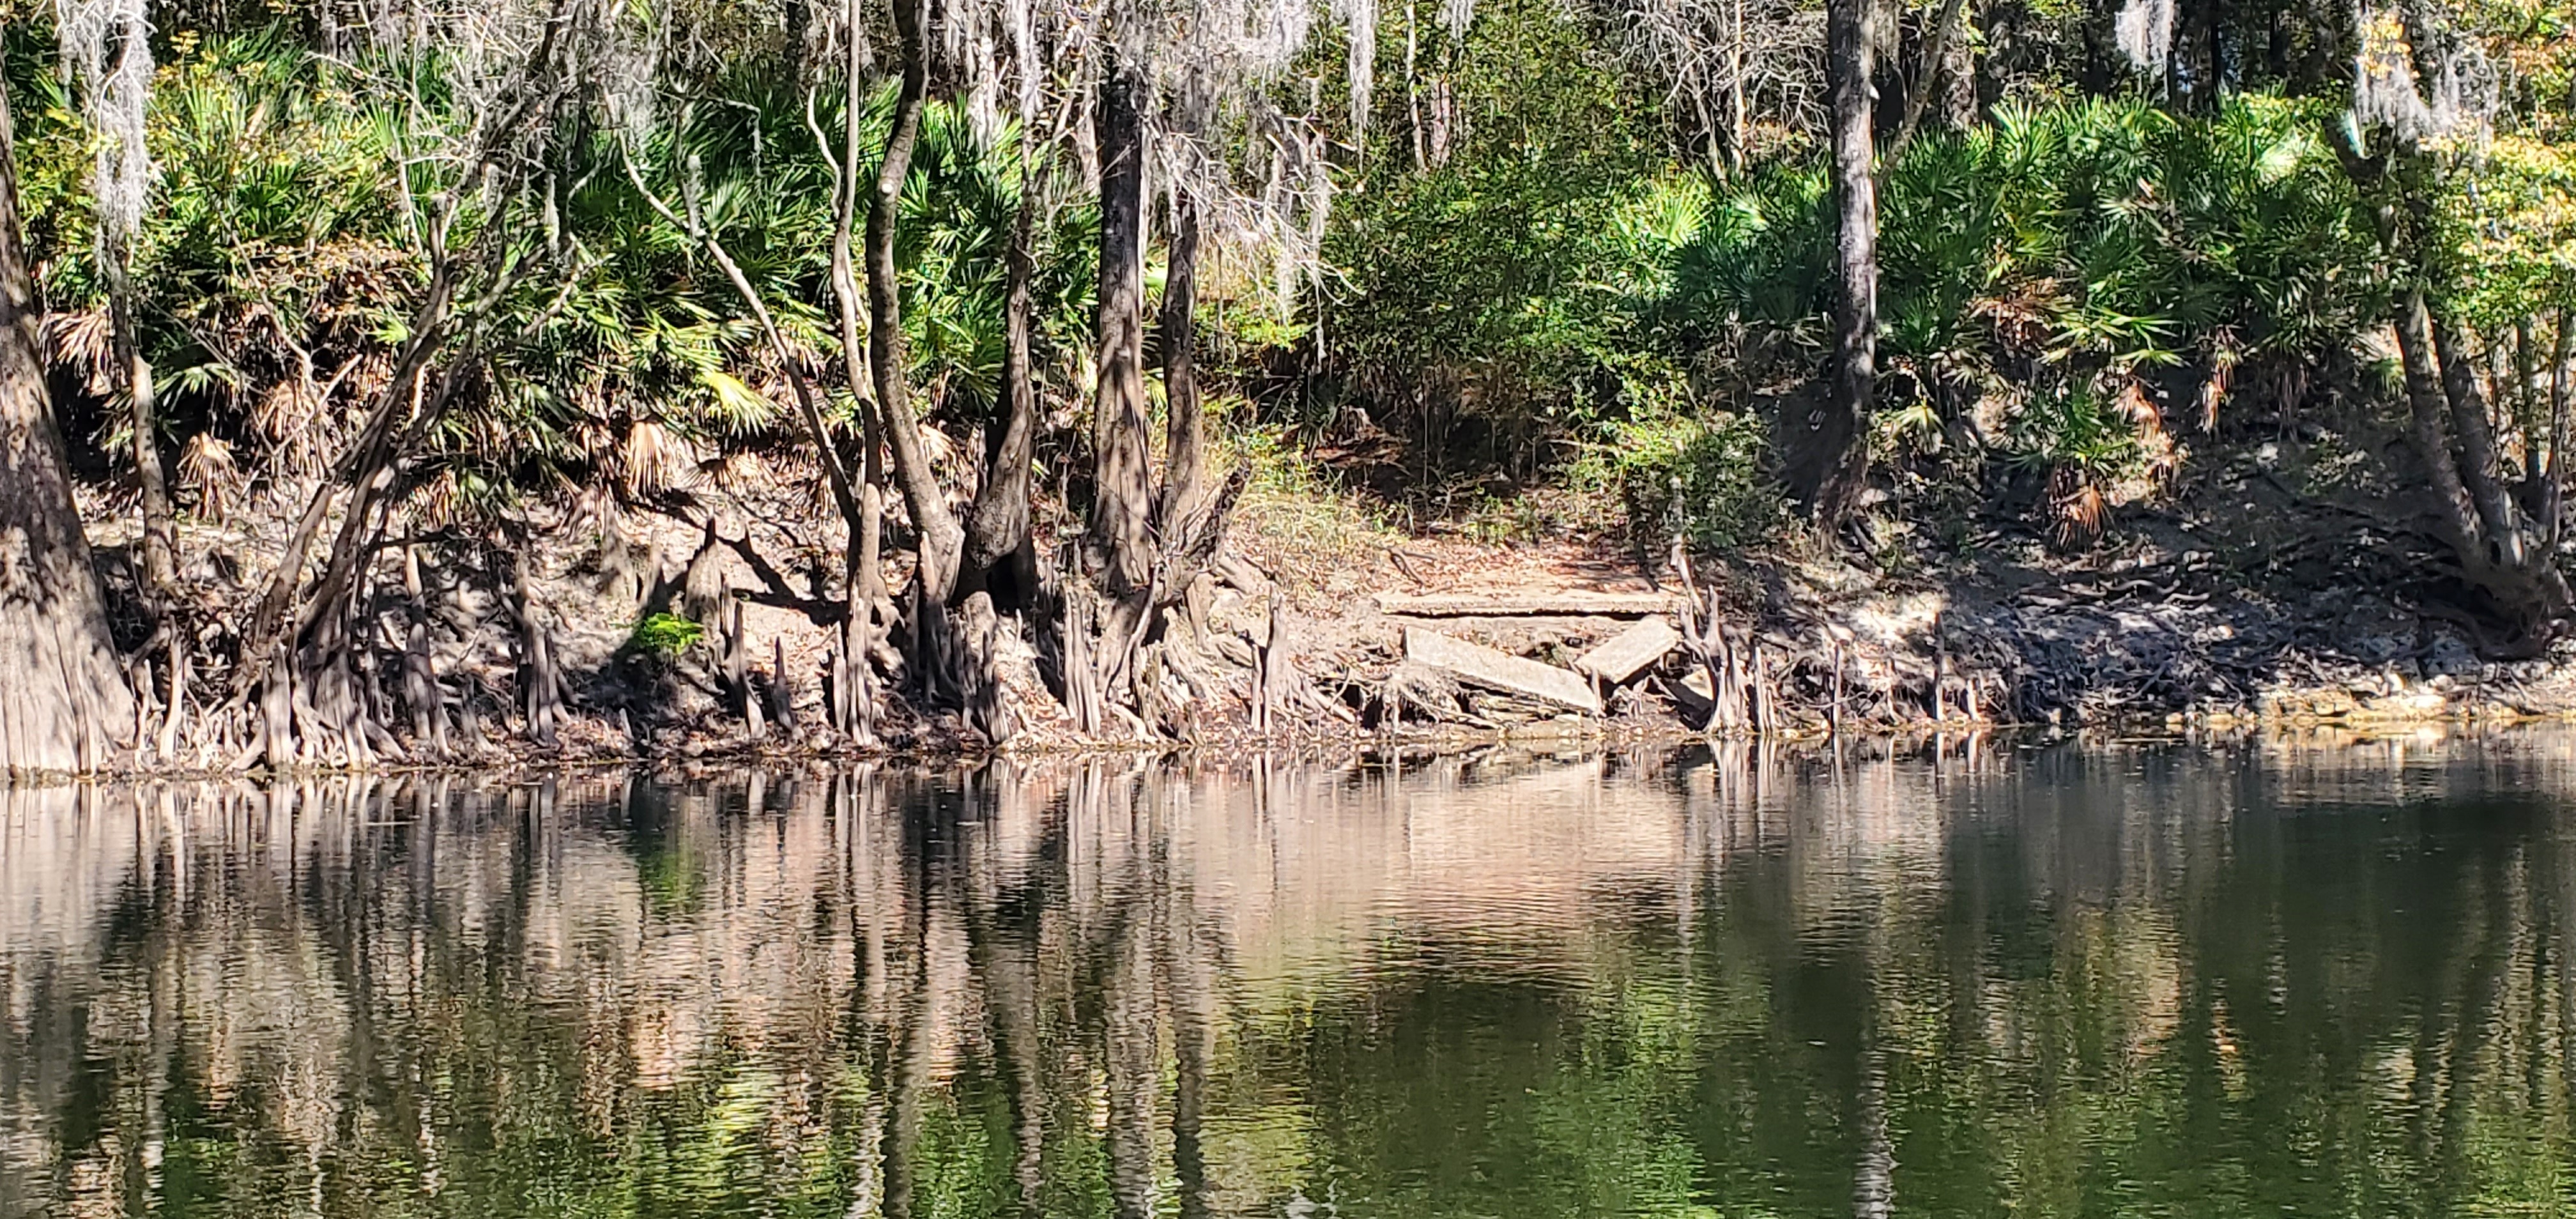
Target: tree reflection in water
{"x":2320,"y":976}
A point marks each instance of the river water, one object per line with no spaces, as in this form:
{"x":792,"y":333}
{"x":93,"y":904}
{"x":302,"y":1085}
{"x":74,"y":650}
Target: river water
{"x":2315,"y":976}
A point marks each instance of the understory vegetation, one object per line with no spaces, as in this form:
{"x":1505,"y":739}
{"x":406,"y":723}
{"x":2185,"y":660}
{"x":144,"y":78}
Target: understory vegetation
{"x":382,"y":289}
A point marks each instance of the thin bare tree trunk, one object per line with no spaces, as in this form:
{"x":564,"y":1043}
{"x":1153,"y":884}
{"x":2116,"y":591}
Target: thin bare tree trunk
{"x":2499,"y":554}
{"x":1121,"y":496}
{"x":1927,"y":81}
{"x":2473,"y":512}
{"x":808,"y":409}
{"x":1839,"y":449}
{"x":1738,"y":120}
{"x":941,"y":538}
{"x":2554,"y":497}
{"x":368,"y":462}
{"x":2475,"y":436}
{"x":865,"y":577}
{"x":1185,"y":450}
{"x":67,"y":703}
{"x":2429,"y":425}
{"x":160,"y":548}
{"x":2524,"y":361}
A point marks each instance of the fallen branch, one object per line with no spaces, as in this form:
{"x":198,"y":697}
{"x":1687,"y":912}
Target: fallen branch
{"x":1571,"y":603}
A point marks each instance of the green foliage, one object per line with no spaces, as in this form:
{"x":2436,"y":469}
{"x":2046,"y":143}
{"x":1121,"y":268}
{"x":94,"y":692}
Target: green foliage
{"x":1494,"y":287}
{"x":281,"y":263}
{"x":2076,"y":429}
{"x":665,"y":634}
{"x":2068,"y":255}
{"x":1702,"y":481}
{"x":2514,"y":222}
{"x":2100,"y":235}
{"x":2077,"y":252}
{"x":1526,"y":273}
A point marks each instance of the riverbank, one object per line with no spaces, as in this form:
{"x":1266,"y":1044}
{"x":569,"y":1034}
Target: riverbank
{"x":705,"y":629}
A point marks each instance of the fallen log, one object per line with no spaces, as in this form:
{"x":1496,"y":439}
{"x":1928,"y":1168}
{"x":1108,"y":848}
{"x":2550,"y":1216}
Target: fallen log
{"x":1478,"y":665}
{"x":1422,"y":691}
{"x":1619,"y":657}
{"x":1569,"y":603}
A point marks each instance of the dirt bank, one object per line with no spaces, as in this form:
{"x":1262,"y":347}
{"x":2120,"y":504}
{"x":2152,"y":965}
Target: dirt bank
{"x":704,"y":627}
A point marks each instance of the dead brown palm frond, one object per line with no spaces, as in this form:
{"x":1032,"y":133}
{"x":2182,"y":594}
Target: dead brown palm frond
{"x":301,"y":430}
{"x":439,"y":503}
{"x":598,"y":440}
{"x":2223,"y":359}
{"x":283,"y":412}
{"x":740,"y":472}
{"x":2020,"y":316}
{"x":83,"y":343}
{"x":2155,"y":443}
{"x":373,"y":375}
{"x":207,"y":467}
{"x":654,"y":459}
{"x":2078,"y":510}
{"x":945,"y":455}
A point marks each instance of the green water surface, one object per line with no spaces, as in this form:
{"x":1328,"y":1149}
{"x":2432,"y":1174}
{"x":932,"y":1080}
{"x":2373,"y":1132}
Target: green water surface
{"x":2315,"y":976}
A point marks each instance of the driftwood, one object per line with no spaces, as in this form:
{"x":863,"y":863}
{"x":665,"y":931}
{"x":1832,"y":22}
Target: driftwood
{"x":1482,"y":666}
{"x":1622,"y":655}
{"x":1569,"y":603}
{"x":1419,"y":688}
{"x":1238,"y":571}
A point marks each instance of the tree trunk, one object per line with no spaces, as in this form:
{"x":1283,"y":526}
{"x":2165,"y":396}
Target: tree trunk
{"x":864,"y":576}
{"x":1928,"y":79}
{"x":159,"y":546}
{"x":365,"y":466}
{"x":1739,"y":126}
{"x":67,"y":702}
{"x":1121,"y":497}
{"x":2524,"y":365}
{"x":2501,"y":555}
{"x":941,"y":537}
{"x":1185,"y":451}
{"x":2475,"y":438}
{"x":1838,"y":451}
{"x":999,"y":557}
{"x":2472,"y":510}
{"x":2554,"y":497}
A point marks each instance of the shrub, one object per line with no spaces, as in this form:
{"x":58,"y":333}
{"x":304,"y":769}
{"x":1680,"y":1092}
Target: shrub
{"x":665,"y":635}
{"x":1705,"y":482}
